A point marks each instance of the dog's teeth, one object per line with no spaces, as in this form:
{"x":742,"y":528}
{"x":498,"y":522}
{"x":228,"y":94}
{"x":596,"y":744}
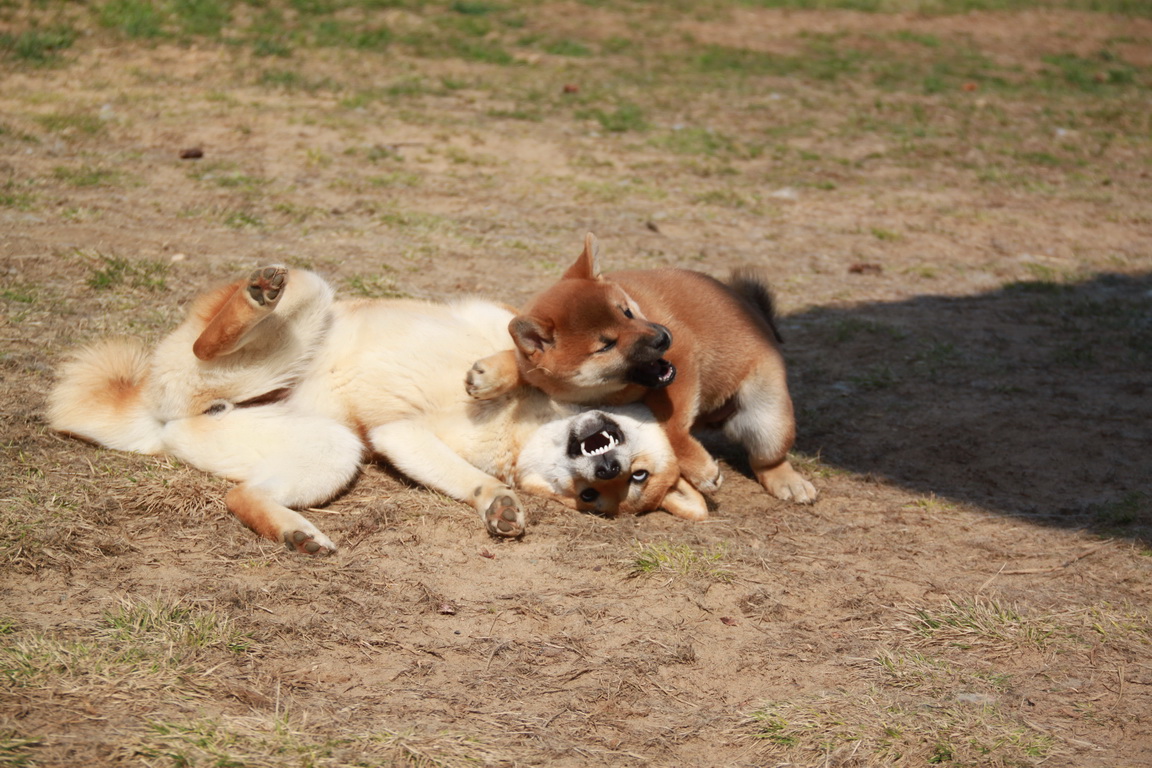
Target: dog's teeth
{"x":609,"y":444}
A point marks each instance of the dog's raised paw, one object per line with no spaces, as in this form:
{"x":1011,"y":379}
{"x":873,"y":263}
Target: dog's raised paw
{"x":480,"y":382}
{"x":309,"y":543}
{"x":266,"y":284}
{"x":504,"y":517}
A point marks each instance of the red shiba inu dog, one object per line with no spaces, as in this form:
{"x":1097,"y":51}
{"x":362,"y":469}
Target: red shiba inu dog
{"x":272,"y":383}
{"x":694,"y":350}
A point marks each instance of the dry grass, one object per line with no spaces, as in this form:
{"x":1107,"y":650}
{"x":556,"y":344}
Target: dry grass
{"x":955,"y":220}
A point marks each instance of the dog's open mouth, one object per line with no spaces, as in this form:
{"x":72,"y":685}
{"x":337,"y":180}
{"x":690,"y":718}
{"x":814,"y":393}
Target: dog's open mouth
{"x":654,"y":375}
{"x":599,"y":443}
{"x":596,"y":436}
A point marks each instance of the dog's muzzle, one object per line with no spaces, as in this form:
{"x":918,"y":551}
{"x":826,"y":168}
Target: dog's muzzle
{"x":654,"y":375}
{"x":649,"y":368}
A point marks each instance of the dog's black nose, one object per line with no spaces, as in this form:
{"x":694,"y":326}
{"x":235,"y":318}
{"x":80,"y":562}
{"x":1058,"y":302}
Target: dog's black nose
{"x":608,"y":469}
{"x":661,"y":339}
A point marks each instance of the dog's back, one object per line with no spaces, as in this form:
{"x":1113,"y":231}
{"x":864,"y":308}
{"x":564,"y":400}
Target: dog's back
{"x":720,"y":332}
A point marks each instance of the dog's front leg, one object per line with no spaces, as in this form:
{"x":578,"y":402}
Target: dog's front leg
{"x":421,"y":455}
{"x":241,"y":312}
{"x":493,"y":376}
{"x":676,"y":410}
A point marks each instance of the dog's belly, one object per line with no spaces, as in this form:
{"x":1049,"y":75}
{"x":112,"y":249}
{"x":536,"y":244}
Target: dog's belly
{"x":406,"y":361}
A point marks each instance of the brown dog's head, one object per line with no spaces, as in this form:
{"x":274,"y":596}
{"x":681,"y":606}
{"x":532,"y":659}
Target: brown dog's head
{"x":585,"y":339}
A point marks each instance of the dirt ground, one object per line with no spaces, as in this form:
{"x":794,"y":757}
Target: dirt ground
{"x":964,"y":271}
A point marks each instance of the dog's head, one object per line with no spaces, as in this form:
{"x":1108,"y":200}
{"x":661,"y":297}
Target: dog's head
{"x":585,"y":339}
{"x":610,"y":462}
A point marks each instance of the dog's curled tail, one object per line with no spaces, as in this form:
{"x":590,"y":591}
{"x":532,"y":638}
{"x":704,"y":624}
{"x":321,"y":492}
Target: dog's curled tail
{"x":99,"y":396}
{"x":752,"y":284}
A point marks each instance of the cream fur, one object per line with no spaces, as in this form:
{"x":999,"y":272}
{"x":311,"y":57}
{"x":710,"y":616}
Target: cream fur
{"x":388,"y":373}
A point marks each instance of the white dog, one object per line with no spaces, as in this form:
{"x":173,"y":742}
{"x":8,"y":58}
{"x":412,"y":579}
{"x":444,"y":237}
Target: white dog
{"x":272,"y":383}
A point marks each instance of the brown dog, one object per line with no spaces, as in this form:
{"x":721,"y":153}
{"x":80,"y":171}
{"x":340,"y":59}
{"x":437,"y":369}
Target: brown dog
{"x":695,"y":350}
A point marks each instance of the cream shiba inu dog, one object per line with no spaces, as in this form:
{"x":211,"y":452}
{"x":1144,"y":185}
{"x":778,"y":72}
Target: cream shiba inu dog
{"x":274,"y":384}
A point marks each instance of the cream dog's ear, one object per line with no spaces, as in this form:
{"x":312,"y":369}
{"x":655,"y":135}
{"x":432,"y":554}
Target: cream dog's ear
{"x":587,"y":264}
{"x":683,"y":500}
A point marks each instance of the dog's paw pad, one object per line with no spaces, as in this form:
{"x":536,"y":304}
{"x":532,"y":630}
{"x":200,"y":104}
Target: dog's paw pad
{"x":266,"y":284}
{"x":309,"y":543}
{"x":480,"y":382}
{"x":504,"y":517}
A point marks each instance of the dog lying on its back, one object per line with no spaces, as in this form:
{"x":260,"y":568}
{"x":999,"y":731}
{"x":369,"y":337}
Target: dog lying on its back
{"x":272,"y":383}
{"x":694,"y":350}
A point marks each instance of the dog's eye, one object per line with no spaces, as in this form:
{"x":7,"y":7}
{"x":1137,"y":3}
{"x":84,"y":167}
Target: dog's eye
{"x":608,"y":344}
{"x":589,"y":495}
{"x":627,"y":313}
{"x":639,"y":475}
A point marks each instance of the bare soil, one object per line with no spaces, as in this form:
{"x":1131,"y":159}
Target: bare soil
{"x":970,"y":352}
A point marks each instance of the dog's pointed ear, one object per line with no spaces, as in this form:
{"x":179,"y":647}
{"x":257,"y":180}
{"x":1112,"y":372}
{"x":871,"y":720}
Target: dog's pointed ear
{"x":685,"y":501}
{"x":530,"y":334}
{"x":587,"y":265}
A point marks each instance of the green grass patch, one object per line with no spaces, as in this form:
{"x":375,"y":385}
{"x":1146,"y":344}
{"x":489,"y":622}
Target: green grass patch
{"x":568,"y":47}
{"x":16,"y":750}
{"x":824,"y":59}
{"x":981,"y":623}
{"x":374,"y":287}
{"x":663,"y":558}
{"x":242,"y":220}
{"x":12,"y":196}
{"x":696,"y":141}
{"x":114,"y":271}
{"x":37,"y":46}
{"x":84,"y":125}
{"x":876,"y":727}
{"x":174,"y":626}
{"x":627,"y":116}
{"x":85,"y":176}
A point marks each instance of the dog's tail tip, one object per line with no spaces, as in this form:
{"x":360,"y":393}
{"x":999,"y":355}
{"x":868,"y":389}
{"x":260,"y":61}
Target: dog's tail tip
{"x":752,"y":283}
{"x":99,"y":396}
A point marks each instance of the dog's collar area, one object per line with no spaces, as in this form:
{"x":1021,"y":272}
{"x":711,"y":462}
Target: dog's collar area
{"x":267,"y":398}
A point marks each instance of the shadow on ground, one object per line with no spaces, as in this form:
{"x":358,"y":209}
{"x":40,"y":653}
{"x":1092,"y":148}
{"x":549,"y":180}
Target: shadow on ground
{"x":1034,"y":400}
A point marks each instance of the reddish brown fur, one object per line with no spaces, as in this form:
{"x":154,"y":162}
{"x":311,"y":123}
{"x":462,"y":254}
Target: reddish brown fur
{"x":724,"y":350}
{"x":227,"y":315}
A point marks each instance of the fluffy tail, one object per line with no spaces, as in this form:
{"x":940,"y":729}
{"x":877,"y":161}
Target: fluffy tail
{"x":752,"y":284}
{"x":99,"y":396}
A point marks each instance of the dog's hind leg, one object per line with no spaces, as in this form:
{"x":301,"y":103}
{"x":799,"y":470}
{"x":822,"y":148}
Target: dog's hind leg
{"x":258,"y":510}
{"x":763,"y":422}
{"x":240,"y":312}
{"x":281,"y":458}
{"x":424,"y":457}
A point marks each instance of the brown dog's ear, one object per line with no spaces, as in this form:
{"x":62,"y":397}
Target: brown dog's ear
{"x":685,"y":501}
{"x":587,"y":266}
{"x":530,"y":334}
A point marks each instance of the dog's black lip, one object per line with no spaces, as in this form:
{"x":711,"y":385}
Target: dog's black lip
{"x":654,"y":375}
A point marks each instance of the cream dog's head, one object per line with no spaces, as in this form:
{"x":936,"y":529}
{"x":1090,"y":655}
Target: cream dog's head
{"x":608,"y":461}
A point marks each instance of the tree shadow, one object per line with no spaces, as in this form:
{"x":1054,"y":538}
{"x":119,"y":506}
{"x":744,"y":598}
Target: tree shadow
{"x":1034,"y":400}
